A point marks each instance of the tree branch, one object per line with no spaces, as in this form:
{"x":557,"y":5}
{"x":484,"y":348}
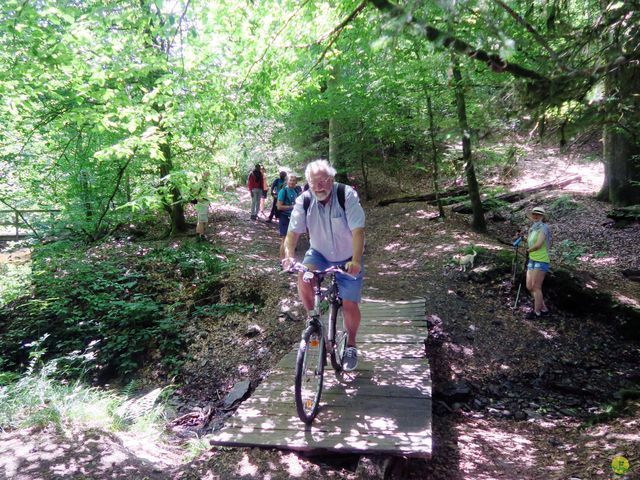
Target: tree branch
{"x":336,"y":32}
{"x":121,"y":171}
{"x":433,"y":34}
{"x":539,"y":38}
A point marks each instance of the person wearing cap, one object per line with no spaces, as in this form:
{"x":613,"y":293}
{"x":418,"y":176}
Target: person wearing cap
{"x":539,"y":242}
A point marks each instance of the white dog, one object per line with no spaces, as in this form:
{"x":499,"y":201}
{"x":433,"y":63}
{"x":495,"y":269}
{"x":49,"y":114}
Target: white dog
{"x":467,"y":260}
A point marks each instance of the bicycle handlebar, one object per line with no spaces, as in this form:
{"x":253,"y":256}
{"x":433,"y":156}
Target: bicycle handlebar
{"x":299,"y":267}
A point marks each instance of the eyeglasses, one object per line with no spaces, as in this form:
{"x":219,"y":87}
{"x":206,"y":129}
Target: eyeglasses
{"x":321,"y":182}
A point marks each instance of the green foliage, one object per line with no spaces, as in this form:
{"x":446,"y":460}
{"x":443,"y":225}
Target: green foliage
{"x":569,"y":251}
{"x":38,"y":398}
{"x":14,"y":281}
{"x":102,"y":309}
{"x":564,"y":205}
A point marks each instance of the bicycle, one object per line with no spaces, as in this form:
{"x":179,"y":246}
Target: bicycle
{"x":314,"y":344}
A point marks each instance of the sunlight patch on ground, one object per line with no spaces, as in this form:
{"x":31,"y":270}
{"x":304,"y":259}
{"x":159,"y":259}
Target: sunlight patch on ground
{"x":423,"y":215}
{"x":476,"y":442}
{"x":294,"y":466}
{"x":392,"y":247}
{"x":600,"y":262}
{"x":548,"y":334}
{"x":555,"y":166}
{"x":626,"y":300}
{"x":246,"y":468}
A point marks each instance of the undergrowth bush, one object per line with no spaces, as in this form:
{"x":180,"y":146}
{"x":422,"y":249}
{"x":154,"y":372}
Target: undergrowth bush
{"x":39,"y":398}
{"x":103,"y":308}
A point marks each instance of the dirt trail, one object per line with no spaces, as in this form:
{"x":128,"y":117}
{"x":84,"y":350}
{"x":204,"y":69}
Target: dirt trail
{"x":510,"y":394}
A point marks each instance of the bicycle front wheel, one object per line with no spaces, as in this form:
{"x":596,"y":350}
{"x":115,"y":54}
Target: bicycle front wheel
{"x":339,"y":336}
{"x":309,"y":374}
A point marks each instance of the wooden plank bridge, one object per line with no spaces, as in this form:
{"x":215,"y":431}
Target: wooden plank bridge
{"x":384,"y":407}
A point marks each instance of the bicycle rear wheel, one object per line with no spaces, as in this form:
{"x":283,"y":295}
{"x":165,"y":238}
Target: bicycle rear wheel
{"x":309,"y":374}
{"x":339,"y":340}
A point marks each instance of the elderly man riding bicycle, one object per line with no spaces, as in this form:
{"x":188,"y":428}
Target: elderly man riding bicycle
{"x":336,"y":235}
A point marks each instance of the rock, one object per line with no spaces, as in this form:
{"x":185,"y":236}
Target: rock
{"x":237,"y":393}
{"x":485,"y":273}
{"x":532,"y":413}
{"x":459,"y":391}
{"x":520,"y":415}
{"x":253,"y":331}
{"x":373,"y":467}
{"x":554,"y":442}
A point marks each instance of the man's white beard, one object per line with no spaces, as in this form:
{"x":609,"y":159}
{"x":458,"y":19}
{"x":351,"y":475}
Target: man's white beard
{"x":322,"y":196}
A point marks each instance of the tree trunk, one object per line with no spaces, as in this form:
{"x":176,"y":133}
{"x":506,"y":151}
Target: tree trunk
{"x":176,"y":207}
{"x":622,"y":135}
{"x":335,"y":153}
{"x":434,"y":157}
{"x":365,"y":172}
{"x":478,"y":223}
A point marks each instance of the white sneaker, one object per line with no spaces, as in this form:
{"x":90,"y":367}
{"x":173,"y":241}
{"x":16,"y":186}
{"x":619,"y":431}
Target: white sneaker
{"x":350,"y":359}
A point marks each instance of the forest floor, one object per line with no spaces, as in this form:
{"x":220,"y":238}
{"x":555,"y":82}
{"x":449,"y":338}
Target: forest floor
{"x":513,"y":398}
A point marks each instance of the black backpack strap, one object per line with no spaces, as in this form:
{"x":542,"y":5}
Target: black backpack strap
{"x":307,"y":197}
{"x":341,"y":195}
{"x":306,"y":200}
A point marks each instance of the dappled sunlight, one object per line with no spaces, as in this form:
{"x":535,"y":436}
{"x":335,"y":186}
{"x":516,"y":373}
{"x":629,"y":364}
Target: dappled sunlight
{"x":547,"y":334}
{"x":383,"y":406}
{"x":245,"y":467}
{"x":626,"y":300}
{"x":81,"y":453}
{"x":293,"y":464}
{"x":483,"y":444}
{"x":600,"y":262}
{"x":423,"y":215}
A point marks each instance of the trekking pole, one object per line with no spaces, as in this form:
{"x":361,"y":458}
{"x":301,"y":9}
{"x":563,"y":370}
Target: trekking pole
{"x":522,"y":277}
{"x":514,"y":263}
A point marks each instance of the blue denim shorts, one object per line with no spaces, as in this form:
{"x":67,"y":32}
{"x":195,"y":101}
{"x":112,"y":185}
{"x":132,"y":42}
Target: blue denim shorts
{"x":349,"y":288}
{"x":283,"y":224}
{"x":542,"y":266}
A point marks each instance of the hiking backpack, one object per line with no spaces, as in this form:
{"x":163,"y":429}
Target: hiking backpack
{"x":306,"y":197}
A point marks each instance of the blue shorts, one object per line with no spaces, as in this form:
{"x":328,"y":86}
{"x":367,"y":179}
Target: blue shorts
{"x":283,"y":223}
{"x":535,"y":265}
{"x":349,"y":288}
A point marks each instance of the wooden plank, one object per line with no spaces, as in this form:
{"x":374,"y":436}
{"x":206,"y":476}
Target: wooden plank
{"x":366,"y":329}
{"x":387,"y":320}
{"x":331,"y":419}
{"x":375,"y":351}
{"x":285,"y":402}
{"x":414,"y":387}
{"x":416,"y":445}
{"x":384,"y":407}
{"x":365,"y":366}
{"x":391,"y":338}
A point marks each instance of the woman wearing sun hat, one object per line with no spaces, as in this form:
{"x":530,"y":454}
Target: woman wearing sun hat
{"x":539,"y":242}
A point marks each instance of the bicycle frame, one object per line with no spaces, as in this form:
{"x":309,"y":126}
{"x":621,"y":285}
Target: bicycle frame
{"x":317,"y":342}
{"x":330,"y":294}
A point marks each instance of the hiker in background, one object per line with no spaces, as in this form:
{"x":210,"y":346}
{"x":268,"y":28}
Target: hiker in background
{"x":254,"y":184}
{"x":265,"y":189}
{"x":539,"y":243}
{"x":277,"y":184}
{"x":286,"y":200}
{"x":200,"y":194}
